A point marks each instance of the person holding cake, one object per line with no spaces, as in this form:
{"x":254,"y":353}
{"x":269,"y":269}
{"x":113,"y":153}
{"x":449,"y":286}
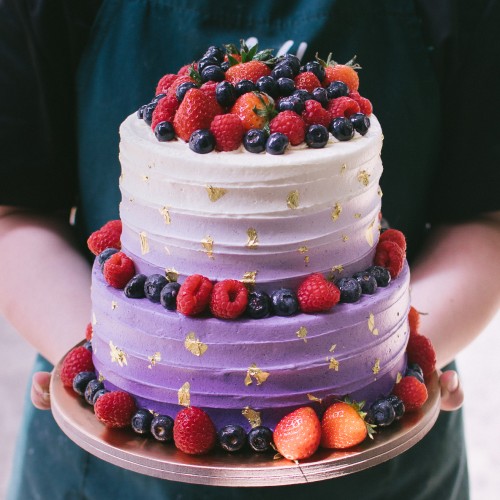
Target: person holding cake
{"x":64,"y":99}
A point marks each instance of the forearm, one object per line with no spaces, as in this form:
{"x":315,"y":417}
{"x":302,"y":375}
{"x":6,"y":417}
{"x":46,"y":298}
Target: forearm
{"x":456,"y":284}
{"x":45,"y":285}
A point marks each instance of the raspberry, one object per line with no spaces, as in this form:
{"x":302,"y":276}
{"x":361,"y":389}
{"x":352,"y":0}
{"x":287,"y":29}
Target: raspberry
{"x":389,"y":255}
{"x":229,"y":299}
{"x":342,"y":106}
{"x":115,"y":409}
{"x":178,"y":81}
{"x":194,"y":295}
{"x":228,"y":132}
{"x":314,"y":114}
{"x":194,"y":432}
{"x":306,"y":81}
{"x":108,"y":236}
{"x":77,"y":360}
{"x":118,"y":270}
{"x":396,"y":236}
{"x":365,"y":106}
{"x":165,"y":110}
{"x":165,"y":83}
{"x":88,"y":332}
{"x":412,"y":392}
{"x":290,"y":124}
{"x":414,"y":320}
{"x":316,"y":294}
{"x":421,"y":351}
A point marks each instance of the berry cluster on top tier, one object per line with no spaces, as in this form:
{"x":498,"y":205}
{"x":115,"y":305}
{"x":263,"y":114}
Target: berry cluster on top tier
{"x":235,"y":96}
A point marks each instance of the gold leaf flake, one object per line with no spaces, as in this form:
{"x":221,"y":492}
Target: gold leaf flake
{"x":253,"y":239}
{"x":252,"y":416}
{"x":336,"y":270}
{"x":376,"y":367}
{"x":345,"y":237}
{"x":166,"y":215}
{"x":307,"y":259}
{"x":333,"y":364}
{"x":302,"y":333}
{"x":208,"y":246}
{"x":357,"y":216}
{"x":303,"y":249}
{"x":194,"y":345}
{"x":144,"y":242}
{"x":371,"y":324}
{"x":117,"y":354}
{"x":171,"y":274}
{"x":184,"y":394}
{"x":336,"y":211}
{"x":312,"y":397}
{"x":145,"y":178}
{"x":379,"y":192}
{"x":369,"y":234}
{"x":399,"y":377}
{"x":364,"y":177}
{"x":292,"y":200}
{"x":155,"y":358}
{"x":343,"y":168}
{"x":215,"y":193}
{"x":114,"y":305}
{"x":333,"y":347}
{"x":259,"y":375}
{"x":101,"y":377}
{"x":249,"y":279}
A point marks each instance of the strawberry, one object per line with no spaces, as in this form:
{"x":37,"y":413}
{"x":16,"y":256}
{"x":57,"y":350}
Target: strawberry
{"x":165,"y":110}
{"x":194,"y":113}
{"x":194,"y":432}
{"x":316,"y":294}
{"x":228,"y":132}
{"x":165,"y":83}
{"x":208,"y":89}
{"x":343,"y":425}
{"x":178,"y":81}
{"x":421,"y":351}
{"x":88,"y":332}
{"x":108,"y":236}
{"x":394,"y":235}
{"x":115,"y":409}
{"x":254,"y":109}
{"x":118,"y":270}
{"x":414,"y":320}
{"x":389,"y":255}
{"x":365,"y":106}
{"x":314,"y":114}
{"x":291,"y":124}
{"x":194,"y":295}
{"x":341,"y":72}
{"x":342,"y":106}
{"x":298,"y":434}
{"x":77,"y":360}
{"x":412,"y":392}
{"x":306,"y":81}
{"x":251,"y":70}
{"x":229,"y":299}
{"x":186,"y":69}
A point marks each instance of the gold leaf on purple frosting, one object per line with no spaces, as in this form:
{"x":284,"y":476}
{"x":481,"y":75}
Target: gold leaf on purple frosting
{"x":336,"y":211}
{"x":144,"y":242}
{"x":114,"y":305}
{"x":171,"y":274}
{"x":302,"y":333}
{"x":249,"y":279}
{"x":292,"y":200}
{"x":333,"y":364}
{"x":253,"y":238}
{"x":215,"y":193}
{"x":369,"y":234}
{"x":208,"y":246}
{"x":371,"y":324}
{"x":155,"y":358}
{"x":256,"y":373}
{"x":399,"y":377}
{"x":184,"y":394}
{"x":252,"y":416}
{"x":117,"y":354}
{"x":376,"y":367}
{"x":312,"y":397}
{"x":166,"y":215}
{"x":194,"y":345}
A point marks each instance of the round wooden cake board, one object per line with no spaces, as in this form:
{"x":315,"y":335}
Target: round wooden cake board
{"x":147,"y":456}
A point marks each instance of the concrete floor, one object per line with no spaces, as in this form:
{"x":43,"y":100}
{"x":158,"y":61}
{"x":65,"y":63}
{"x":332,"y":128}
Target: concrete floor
{"x":479,"y":366}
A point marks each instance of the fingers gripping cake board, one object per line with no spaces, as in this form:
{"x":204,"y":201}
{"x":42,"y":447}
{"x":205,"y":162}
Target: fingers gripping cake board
{"x":247,"y":280}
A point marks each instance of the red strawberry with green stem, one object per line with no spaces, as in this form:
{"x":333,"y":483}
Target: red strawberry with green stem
{"x":255,"y":110}
{"x":346,"y":73}
{"x":247,"y":63}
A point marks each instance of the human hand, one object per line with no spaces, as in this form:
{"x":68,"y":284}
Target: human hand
{"x":40,"y":394}
{"x":452,"y":394}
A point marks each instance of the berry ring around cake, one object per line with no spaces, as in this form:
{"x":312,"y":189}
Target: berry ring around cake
{"x":248,"y":297}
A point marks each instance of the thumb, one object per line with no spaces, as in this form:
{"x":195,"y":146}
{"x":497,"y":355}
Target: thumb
{"x":452,"y":394}
{"x":40,"y":396}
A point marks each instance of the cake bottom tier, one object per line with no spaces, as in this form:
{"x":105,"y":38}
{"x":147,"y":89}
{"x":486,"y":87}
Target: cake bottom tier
{"x":247,"y":371}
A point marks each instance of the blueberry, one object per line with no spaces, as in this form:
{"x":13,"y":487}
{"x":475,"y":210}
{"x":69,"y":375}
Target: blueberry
{"x":212,"y":73}
{"x":381,"y":413}
{"x":342,"y":128}
{"x":414,"y":370}
{"x":268,"y":85}
{"x":215,"y":52}
{"x":350,"y":290}
{"x":398,"y":405}
{"x":286,"y":86}
{"x":92,"y":387}
{"x":206,"y":61}
{"x":284,"y":302}
{"x":140,"y":112}
{"x":360,"y":122}
{"x":168,"y":295}
{"x":162,"y":428}
{"x":181,"y":90}
{"x":260,"y":439}
{"x":319,"y":94}
{"x":105,"y":255}
{"x":277,"y":143}
{"x":255,"y":140}
{"x":282,"y":70}
{"x":88,"y":345}
{"x":141,"y":421}
{"x":164,"y":131}
{"x":367,"y":281}
{"x":337,"y":89}
{"x":291,"y":103}
{"x":147,"y":114}
{"x":98,"y":394}
{"x":225,"y":94}
{"x":134,"y":289}
{"x":232,"y":437}
{"x":153,"y":287}
{"x":316,"y":68}
{"x":317,"y":136}
{"x":225,"y":65}
{"x":259,"y":305}
{"x":158,"y":97}
{"x":81,"y":380}
{"x":293,"y":61}
{"x":303,"y":95}
{"x":381,"y":275}
{"x":244,"y":86}
{"x":202,"y":141}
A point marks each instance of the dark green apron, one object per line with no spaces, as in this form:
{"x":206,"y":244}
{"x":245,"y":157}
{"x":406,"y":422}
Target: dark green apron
{"x":135,"y":42}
